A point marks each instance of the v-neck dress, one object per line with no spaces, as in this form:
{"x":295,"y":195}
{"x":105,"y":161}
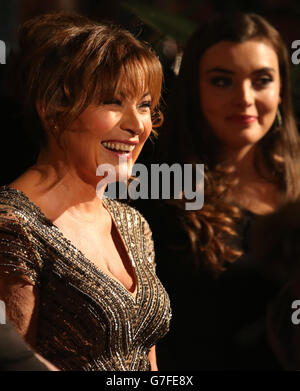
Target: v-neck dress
{"x":87,"y":320}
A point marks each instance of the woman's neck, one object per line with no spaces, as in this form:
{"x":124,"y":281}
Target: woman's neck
{"x":57,"y":190}
{"x":243,"y":161}
{"x":252,"y":191}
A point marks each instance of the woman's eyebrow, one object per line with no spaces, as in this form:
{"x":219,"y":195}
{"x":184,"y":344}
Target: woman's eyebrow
{"x":221,"y":70}
{"x":264,"y":69}
{"x":228,"y":72}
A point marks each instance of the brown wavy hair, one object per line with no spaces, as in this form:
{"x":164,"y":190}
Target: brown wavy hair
{"x":66,"y":62}
{"x":212,"y":228}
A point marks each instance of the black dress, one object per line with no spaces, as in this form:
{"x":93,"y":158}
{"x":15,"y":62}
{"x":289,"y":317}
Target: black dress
{"x":218,"y":324}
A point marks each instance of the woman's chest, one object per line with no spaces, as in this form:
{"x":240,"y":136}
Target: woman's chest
{"x":105,"y":250}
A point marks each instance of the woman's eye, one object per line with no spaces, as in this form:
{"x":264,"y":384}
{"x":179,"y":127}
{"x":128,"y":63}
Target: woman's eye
{"x":221,"y":81}
{"x":263,"y":81}
{"x":145,"y":105}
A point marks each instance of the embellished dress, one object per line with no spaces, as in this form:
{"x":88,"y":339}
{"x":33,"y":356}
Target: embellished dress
{"x":86,"y":319}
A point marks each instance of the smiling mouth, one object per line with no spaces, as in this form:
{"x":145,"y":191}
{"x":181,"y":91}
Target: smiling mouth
{"x":118,"y":147}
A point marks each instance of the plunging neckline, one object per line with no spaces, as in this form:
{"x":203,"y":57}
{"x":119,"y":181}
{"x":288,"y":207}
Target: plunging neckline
{"x":64,"y":239}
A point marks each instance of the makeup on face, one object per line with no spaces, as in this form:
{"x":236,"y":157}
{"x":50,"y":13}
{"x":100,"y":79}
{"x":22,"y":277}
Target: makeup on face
{"x":113,"y":133}
{"x":239,"y":90}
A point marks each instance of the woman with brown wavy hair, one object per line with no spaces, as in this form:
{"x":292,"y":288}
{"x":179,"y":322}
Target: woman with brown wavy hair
{"x":77,"y":271}
{"x":231,"y":110}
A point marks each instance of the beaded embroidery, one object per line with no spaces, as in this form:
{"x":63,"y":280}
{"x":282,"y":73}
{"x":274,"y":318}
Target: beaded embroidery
{"x":87,"y":320}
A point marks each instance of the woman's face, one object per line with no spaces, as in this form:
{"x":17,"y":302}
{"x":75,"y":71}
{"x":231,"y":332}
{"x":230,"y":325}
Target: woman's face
{"x":239,"y":91}
{"x":111,"y":133}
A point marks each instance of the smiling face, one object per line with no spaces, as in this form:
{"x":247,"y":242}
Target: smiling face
{"x":110,"y":133}
{"x":239,"y":91}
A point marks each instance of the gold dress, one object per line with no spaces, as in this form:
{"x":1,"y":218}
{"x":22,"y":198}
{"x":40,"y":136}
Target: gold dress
{"x":87,"y":320}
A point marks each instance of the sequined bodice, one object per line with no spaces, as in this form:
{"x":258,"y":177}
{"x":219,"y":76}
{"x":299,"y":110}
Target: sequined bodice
{"x":87,"y":320}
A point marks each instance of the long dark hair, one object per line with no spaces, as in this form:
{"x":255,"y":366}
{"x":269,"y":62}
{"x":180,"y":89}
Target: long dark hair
{"x":211,"y":228}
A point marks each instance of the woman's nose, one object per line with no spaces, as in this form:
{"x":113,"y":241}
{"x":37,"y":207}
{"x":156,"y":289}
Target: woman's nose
{"x":244,"y":94}
{"x":132,"y":121}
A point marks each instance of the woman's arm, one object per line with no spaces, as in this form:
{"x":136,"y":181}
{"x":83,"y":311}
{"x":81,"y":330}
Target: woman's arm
{"x":20,"y":267}
{"x":21,"y":302}
{"x":152,"y":359}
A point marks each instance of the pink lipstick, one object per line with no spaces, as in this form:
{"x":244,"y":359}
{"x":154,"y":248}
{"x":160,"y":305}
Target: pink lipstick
{"x":242,"y":118}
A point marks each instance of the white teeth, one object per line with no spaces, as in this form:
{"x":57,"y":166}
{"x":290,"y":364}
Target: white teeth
{"x":118,"y":146}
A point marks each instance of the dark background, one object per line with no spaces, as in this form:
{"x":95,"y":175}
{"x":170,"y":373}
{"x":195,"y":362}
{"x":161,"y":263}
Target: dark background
{"x":166,"y":24}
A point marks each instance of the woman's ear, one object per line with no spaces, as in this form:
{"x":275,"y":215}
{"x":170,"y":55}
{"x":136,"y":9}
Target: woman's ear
{"x":48,"y":124}
{"x":41,"y":111}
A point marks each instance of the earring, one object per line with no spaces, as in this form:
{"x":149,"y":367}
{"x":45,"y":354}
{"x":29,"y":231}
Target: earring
{"x":54,"y":129}
{"x":278,"y":118}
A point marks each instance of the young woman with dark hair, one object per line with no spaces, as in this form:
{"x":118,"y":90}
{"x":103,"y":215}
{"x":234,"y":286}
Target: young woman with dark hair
{"x":231,"y":110}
